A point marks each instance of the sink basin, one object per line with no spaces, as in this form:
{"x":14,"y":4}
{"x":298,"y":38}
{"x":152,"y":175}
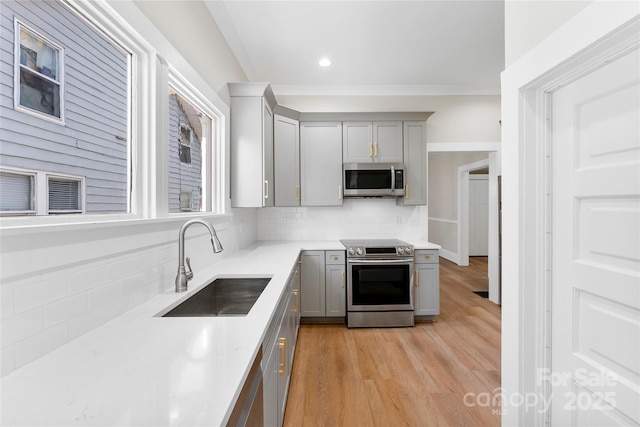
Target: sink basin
{"x":233,"y":296}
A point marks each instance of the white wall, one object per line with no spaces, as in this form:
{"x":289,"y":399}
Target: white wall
{"x":459,"y":118}
{"x":194,"y":33}
{"x":529,"y":22}
{"x":443,"y":196}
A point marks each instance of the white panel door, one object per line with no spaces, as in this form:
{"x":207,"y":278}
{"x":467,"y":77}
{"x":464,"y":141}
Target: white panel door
{"x":595,"y":277}
{"x":478,"y":215}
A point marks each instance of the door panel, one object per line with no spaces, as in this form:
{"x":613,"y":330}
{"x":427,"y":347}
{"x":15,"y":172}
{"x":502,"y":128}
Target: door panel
{"x":478,"y":215}
{"x":595,"y":168}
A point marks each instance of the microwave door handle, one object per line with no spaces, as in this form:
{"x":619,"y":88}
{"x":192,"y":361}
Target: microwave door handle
{"x":393,"y":178}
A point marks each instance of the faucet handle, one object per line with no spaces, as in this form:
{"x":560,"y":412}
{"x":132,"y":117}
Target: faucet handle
{"x":189,"y":272}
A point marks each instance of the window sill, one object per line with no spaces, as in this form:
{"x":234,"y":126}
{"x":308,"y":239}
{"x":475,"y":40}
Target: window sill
{"x":25,"y":226}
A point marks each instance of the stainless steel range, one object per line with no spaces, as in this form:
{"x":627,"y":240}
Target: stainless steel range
{"x":379,"y":283}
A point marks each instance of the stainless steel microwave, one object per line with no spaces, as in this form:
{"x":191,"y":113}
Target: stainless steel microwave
{"x":373,"y":179}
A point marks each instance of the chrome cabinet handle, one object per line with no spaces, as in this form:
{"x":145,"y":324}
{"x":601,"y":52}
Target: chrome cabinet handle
{"x":343,"y":280}
{"x":266,"y":189}
{"x":417,"y":277}
{"x":375,"y":150}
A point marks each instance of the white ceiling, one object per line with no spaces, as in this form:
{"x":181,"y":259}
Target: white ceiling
{"x":376,"y":47}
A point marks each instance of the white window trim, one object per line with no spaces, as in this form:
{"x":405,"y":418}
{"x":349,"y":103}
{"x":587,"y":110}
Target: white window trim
{"x":17,"y":24}
{"x":34,"y":201}
{"x":212,"y":163}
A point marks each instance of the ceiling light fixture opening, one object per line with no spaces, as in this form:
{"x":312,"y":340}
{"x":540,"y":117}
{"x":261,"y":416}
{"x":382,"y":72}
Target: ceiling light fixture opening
{"x":324,"y":62}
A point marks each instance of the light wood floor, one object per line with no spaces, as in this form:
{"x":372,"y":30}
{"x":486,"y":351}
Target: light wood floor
{"x":404,"y":376}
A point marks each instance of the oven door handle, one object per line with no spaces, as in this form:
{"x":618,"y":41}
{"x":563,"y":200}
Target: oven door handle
{"x":380,"y":261}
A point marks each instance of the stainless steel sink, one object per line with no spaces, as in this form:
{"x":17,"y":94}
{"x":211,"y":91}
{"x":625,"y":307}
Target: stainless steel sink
{"x":233,"y":296}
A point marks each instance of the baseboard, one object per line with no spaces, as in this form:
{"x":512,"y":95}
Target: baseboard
{"x":450,"y":256}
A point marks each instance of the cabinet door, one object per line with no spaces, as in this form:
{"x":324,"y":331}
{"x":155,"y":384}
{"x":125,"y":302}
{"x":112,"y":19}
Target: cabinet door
{"x":387,"y":142}
{"x":335,"y":292}
{"x":267,"y":154}
{"x":321,"y":164}
{"x":247,"y":178}
{"x":357,"y":140}
{"x":270,"y":387}
{"x":415,"y":161}
{"x":427,"y":289}
{"x":295,"y":290}
{"x":312,"y":284}
{"x":286,"y":161}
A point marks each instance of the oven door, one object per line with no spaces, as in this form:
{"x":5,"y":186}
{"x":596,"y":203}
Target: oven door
{"x":380,"y":284}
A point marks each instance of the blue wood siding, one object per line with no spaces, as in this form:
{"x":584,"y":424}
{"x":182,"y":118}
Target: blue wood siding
{"x":182,"y":176}
{"x":93,"y":141}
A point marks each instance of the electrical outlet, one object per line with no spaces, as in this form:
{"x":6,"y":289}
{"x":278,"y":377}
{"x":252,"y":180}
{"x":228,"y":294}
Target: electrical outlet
{"x":285,"y":220}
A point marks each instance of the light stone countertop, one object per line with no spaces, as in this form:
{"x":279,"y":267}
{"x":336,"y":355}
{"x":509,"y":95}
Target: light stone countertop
{"x":140,"y":369}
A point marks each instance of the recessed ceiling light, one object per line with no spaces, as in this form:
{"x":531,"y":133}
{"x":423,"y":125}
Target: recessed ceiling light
{"x":324,"y":62}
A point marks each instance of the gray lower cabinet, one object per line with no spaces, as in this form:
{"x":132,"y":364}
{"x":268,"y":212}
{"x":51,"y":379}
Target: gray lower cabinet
{"x":322,"y":284}
{"x":321,"y":163}
{"x":279,"y":349}
{"x":427,"y":283}
{"x":335,"y":281}
{"x":312,"y":284}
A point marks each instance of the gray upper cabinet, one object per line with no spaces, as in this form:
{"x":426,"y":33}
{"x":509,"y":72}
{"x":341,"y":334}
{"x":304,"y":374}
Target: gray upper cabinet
{"x":321,"y":163}
{"x":367,"y":142}
{"x":286,"y":161}
{"x":252,"y":144}
{"x":415,"y":161}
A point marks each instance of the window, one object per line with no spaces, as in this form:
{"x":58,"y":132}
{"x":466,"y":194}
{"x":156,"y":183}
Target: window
{"x":185,"y":200}
{"x":189,"y":154}
{"x":39,"y":79}
{"x":17,"y":193}
{"x":71,"y":113}
{"x":185,"y":144}
{"x":64,"y":195}
{"x":24,"y":192}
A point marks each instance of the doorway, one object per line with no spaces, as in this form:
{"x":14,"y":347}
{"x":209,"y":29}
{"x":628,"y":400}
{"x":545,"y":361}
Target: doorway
{"x":571,"y":217}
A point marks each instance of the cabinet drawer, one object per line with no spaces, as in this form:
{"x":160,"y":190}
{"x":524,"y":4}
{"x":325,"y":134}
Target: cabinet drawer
{"x":334,"y":257}
{"x":426,"y":256}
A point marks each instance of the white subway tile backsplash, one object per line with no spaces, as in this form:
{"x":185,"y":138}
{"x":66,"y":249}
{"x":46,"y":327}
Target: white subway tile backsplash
{"x":122,"y":267}
{"x":91,"y":277}
{"x":40,"y":293}
{"x":21,"y":326}
{"x":66,"y":309}
{"x":374,"y":218}
{"x":7,"y":360}
{"x":105,"y":293}
{"x":44,"y":307}
{"x":84,"y":323}
{"x":6,"y":303}
{"x":39,"y":344}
